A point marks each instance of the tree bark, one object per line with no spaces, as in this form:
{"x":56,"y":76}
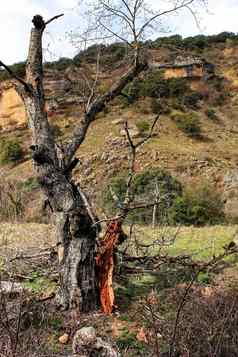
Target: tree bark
{"x":76,"y":229}
{"x":76,"y":234}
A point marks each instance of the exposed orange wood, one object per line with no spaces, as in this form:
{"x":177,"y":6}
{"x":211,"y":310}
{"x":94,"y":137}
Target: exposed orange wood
{"x":105,"y":264}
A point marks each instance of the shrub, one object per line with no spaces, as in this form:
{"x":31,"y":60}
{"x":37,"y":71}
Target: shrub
{"x":198,"y":206}
{"x":199,"y":42}
{"x":144,"y":188}
{"x":10,"y":151}
{"x":223,"y":37}
{"x":178,"y":87}
{"x":219,"y":100}
{"x":61,"y":64}
{"x":208,"y":324}
{"x":154,"y":85}
{"x":191,"y":100}
{"x":188,"y":123}
{"x":174,"y":40}
{"x":143,"y":127}
{"x":177,"y":105}
{"x":132,"y":91}
{"x":160,"y":106}
{"x":211,"y":113}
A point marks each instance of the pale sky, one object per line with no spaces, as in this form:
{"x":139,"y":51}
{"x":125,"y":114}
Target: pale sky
{"x":16,"y":15}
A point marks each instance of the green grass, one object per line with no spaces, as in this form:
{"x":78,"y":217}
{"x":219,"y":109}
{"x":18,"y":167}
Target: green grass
{"x":39,"y":284}
{"x":202,"y":243}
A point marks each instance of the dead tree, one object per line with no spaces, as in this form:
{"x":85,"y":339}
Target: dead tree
{"x":76,"y":229}
{"x":76,"y":232}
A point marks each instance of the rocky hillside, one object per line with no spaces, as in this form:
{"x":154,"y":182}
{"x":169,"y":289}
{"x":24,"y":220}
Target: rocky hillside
{"x":203,"y":151}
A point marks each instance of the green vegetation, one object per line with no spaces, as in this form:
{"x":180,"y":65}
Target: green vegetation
{"x":198,"y":42}
{"x":128,"y":341}
{"x":132,"y":91}
{"x":211,"y":113}
{"x":204,"y":278}
{"x":38,"y":284}
{"x":29,"y":185}
{"x":143,"y":127}
{"x":160,"y":106}
{"x":109,"y":54}
{"x":112,"y":53}
{"x":10,"y":151}
{"x":187,"y":122}
{"x":17,"y":68}
{"x":165,"y":93}
{"x":198,"y":206}
{"x":191,"y":100}
{"x":145,"y":186}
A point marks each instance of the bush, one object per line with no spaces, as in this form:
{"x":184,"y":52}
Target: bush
{"x":154,"y":85}
{"x":160,"y":106}
{"x":199,"y":42}
{"x":208,"y":325}
{"x":191,"y":100}
{"x":198,"y":206}
{"x":61,"y":64}
{"x":109,"y":55}
{"x":188,"y":123}
{"x":178,"y":87}
{"x":132,"y":92}
{"x":211,"y":113}
{"x":144,"y":188}
{"x":219,"y":100}
{"x":10,"y":151}
{"x":174,"y":40}
{"x":143,"y":127}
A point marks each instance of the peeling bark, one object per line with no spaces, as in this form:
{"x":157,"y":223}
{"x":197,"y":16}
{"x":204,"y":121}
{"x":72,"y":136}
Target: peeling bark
{"x":105,"y":264}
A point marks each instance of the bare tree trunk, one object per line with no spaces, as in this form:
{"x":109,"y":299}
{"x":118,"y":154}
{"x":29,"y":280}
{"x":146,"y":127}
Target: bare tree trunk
{"x":76,"y":237}
{"x":76,"y":231}
{"x":76,"y":234}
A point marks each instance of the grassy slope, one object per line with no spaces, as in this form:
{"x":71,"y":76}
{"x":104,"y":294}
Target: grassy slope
{"x":190,"y":160}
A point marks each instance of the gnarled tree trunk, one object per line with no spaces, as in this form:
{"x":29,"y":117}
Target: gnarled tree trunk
{"x":76,"y":234}
{"x":76,"y":229}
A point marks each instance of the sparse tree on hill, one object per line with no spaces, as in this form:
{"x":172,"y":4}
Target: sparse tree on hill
{"x":130,"y":21}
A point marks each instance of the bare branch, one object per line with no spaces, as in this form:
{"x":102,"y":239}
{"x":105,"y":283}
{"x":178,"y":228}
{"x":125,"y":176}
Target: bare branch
{"x":114,"y":33}
{"x":166,"y":12}
{"x":98,"y":105}
{"x":53,"y":18}
{"x":20,"y":80}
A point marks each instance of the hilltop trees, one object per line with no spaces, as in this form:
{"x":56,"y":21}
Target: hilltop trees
{"x":129,"y":21}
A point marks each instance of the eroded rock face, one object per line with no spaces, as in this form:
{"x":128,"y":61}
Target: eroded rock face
{"x":86,"y":344}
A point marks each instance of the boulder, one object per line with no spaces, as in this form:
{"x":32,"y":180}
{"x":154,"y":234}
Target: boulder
{"x":86,"y":344}
{"x":133,"y":131}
